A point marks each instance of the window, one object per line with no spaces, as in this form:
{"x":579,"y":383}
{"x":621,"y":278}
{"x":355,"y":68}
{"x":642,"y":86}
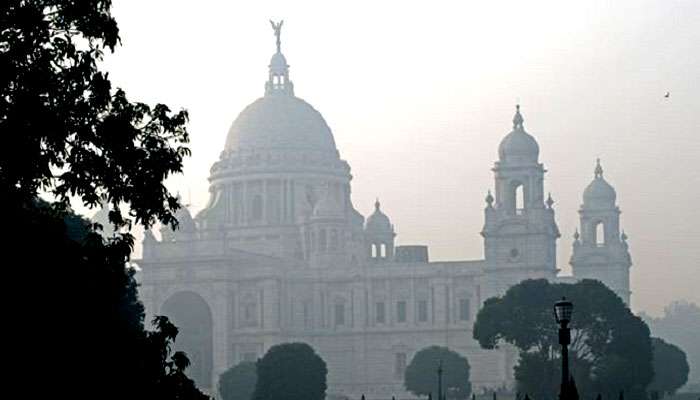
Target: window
{"x":422,"y":310}
{"x":257,"y":208}
{"x":599,"y":234}
{"x":250,"y":314}
{"x":308,"y":318}
{"x":379,"y":315}
{"x":339,"y":314}
{"x":374,"y":250}
{"x":382,"y":252}
{"x":401,"y":311}
{"x":322,"y":240}
{"x":399,"y":365}
{"x":334,"y":240}
{"x":464,"y":309}
{"x":519,"y":198}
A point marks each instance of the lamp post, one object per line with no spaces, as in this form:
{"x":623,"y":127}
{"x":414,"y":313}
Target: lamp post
{"x":562,"y":313}
{"x":439,"y":371}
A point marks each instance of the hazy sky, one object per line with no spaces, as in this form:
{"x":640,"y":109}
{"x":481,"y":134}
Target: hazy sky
{"x":419,"y":95}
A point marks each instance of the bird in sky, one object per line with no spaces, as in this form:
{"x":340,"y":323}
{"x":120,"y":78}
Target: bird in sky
{"x":667,"y":95}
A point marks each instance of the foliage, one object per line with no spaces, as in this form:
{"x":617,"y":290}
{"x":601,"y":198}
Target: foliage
{"x":291,"y":371}
{"x":420,"y":377}
{"x":610,"y":347}
{"x":65,"y":129}
{"x":678,"y":325}
{"x":670,"y":367}
{"x":67,"y":134}
{"x":238,"y":382}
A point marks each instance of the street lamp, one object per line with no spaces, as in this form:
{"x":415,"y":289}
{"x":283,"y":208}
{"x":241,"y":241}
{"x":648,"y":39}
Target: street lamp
{"x":439,"y":371}
{"x":562,"y":314}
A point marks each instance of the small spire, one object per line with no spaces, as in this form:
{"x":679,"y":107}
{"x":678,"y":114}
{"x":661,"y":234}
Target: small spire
{"x":550,"y":201}
{"x":518,"y":118}
{"x":598,"y":169}
{"x":576,"y":235}
{"x":489,"y":199}
{"x":376,"y":204}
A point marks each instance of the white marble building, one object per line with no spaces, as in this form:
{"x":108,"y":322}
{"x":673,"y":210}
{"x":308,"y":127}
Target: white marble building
{"x":280,"y":254}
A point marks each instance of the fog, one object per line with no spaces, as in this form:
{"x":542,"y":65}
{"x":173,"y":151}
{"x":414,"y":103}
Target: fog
{"x":419,"y":97}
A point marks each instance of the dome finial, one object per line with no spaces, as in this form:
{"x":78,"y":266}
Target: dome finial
{"x":376,"y":204}
{"x":518,"y":118}
{"x":278,"y":82}
{"x":277,"y":27}
{"x":598,"y":169}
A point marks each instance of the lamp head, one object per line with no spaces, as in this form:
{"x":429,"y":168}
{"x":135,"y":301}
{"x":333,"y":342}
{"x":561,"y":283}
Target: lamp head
{"x":563,"y":310}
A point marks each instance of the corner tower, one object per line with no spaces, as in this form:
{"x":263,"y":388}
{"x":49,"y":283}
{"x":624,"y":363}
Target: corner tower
{"x":519,"y":232}
{"x":600,"y":251}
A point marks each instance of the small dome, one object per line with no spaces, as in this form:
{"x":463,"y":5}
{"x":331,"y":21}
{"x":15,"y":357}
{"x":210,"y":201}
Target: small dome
{"x":274,"y":122}
{"x":599,"y":193}
{"x":278,"y":63}
{"x":186,"y":226}
{"x":518,"y":146}
{"x":378,"y":222}
{"x":185,"y":221}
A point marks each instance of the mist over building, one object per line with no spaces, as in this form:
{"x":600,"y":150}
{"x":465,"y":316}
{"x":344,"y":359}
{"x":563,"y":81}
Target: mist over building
{"x":280,"y":254}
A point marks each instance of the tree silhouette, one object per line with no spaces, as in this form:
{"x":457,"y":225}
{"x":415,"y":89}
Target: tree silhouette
{"x":420,"y":377}
{"x":68,"y":135}
{"x":610,"y":347}
{"x":238,"y":382}
{"x":670,"y":367}
{"x":291,"y":371}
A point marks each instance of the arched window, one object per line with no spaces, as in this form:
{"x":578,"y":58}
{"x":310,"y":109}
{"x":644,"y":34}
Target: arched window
{"x":373,"y":249}
{"x":382,"y":252}
{"x":599,"y":234}
{"x":257,"y":208}
{"x":519,"y":198}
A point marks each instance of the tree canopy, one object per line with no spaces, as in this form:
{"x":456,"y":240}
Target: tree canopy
{"x":238,"y":382}
{"x":421,"y":379}
{"x":678,"y":325}
{"x":610,"y":347}
{"x":291,"y":371}
{"x":68,"y":135}
{"x":670,"y":367}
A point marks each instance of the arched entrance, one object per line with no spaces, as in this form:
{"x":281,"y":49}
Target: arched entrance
{"x":192,"y":315}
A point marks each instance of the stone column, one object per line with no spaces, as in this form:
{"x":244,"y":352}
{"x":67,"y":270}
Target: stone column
{"x":219,"y":310}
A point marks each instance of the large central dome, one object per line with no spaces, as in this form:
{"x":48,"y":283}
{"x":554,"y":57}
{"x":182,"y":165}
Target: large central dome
{"x":279,"y":121}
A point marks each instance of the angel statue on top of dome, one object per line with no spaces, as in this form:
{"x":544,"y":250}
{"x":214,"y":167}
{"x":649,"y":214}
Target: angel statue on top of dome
{"x":277,"y":27}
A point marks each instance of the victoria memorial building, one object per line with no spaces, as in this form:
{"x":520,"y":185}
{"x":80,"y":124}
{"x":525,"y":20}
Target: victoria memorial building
{"x":280,"y":254}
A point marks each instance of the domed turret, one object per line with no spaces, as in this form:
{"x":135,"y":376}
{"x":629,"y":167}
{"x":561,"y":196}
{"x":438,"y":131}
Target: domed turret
{"x":518,"y":146}
{"x":602,"y":252}
{"x":599,"y":193}
{"x":380,"y":235}
{"x":186,"y":227}
{"x":378,"y":222}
